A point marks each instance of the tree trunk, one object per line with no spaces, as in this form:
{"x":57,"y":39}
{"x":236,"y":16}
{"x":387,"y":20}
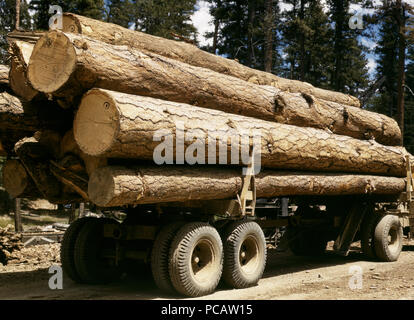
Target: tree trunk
{"x":17,"y":182}
{"x":270,"y":24}
{"x":4,"y":75}
{"x":118,"y":186}
{"x":21,"y":52}
{"x":17,"y":15}
{"x":128,"y":126}
{"x":402,"y":47}
{"x":89,"y":63}
{"x":190,"y":54}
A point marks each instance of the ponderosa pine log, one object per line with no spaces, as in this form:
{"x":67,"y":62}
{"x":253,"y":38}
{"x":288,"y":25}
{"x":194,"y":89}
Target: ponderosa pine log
{"x":66,"y":65}
{"x":120,"y":186}
{"x":190,"y":54}
{"x":20,"y":57}
{"x":4,"y":75}
{"x":127,"y":126}
{"x":17,"y":181}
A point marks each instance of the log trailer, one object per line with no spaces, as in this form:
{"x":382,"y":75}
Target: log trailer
{"x":192,"y":246}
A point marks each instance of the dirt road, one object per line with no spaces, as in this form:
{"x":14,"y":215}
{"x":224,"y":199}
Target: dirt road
{"x":286,"y":277}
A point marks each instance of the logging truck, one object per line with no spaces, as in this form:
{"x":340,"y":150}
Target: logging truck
{"x":108,"y":91}
{"x":192,"y":246}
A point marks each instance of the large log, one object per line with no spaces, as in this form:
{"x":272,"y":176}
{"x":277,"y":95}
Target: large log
{"x":17,"y":181}
{"x":115,"y":125}
{"x":66,"y":65}
{"x":190,"y":54}
{"x":20,"y":57}
{"x":4,"y":74}
{"x":120,"y":186}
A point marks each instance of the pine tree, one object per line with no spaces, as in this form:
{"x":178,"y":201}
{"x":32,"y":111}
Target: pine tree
{"x":8,"y":22}
{"x":349,"y":71}
{"x":248,"y":32}
{"x":119,"y":12}
{"x":165,"y":18}
{"x":307,"y":34}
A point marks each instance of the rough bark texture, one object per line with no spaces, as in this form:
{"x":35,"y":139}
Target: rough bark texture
{"x":119,"y":186}
{"x":127,"y":126}
{"x":80,"y":63}
{"x":4,"y":74}
{"x":17,"y":182}
{"x":190,"y":54}
{"x":20,"y":57}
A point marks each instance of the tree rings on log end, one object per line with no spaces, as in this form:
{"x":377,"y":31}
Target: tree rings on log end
{"x":96,"y":123}
{"x":52,"y":62}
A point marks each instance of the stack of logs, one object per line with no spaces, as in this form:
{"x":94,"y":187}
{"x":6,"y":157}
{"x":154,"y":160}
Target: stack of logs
{"x":81,"y":109}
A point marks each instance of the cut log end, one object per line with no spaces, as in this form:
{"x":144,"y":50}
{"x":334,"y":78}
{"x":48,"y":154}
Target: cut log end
{"x":97,"y":123}
{"x":48,"y":77}
{"x":71,"y":24}
{"x":15,"y":178}
{"x":102,"y":196}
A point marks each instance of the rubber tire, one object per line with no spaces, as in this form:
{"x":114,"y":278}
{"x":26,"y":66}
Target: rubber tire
{"x":233,"y":273}
{"x":160,"y":256}
{"x":382,"y":248}
{"x":305,"y":242}
{"x":67,"y":249}
{"x":368,"y":234}
{"x":180,"y":260}
{"x":88,"y":266}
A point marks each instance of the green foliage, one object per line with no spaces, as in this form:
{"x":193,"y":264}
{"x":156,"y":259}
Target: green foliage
{"x":164,"y":17}
{"x":243,"y":29}
{"x":119,"y":12}
{"x":8,"y":22}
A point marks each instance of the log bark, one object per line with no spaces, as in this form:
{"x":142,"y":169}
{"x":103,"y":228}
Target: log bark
{"x":120,"y":186}
{"x":66,"y":65}
{"x":190,"y":54}
{"x":17,"y":181}
{"x":21,"y":52}
{"x":127,"y":126}
{"x":4,"y":75}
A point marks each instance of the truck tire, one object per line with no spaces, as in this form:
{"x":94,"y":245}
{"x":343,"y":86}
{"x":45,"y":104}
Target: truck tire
{"x":368,"y":233}
{"x":67,"y":249}
{"x":90,"y":265}
{"x":196,"y":260}
{"x":305,"y":241}
{"x":388,"y":238}
{"x":244,"y":254}
{"x":160,"y":254}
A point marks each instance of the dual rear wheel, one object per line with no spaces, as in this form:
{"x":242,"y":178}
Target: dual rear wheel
{"x":86,"y":256}
{"x":192,"y":258}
